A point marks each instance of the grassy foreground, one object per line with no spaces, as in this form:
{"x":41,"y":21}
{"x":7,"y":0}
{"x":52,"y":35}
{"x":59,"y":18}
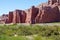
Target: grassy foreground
{"x":29,"y":32}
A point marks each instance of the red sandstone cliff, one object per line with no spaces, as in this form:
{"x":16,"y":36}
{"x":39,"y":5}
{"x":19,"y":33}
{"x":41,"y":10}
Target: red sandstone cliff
{"x":45,"y":12}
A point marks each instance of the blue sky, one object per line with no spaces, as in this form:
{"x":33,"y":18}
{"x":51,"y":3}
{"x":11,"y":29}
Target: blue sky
{"x":11,"y":5}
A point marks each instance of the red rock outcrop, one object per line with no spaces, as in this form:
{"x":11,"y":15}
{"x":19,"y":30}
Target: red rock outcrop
{"x":19,"y":16}
{"x":10,"y":17}
{"x":4,"y":19}
{"x":51,"y":2}
{"x":48,"y":14}
{"x":31,"y":15}
{"x":16,"y":16}
{"x":45,"y":12}
{"x":23,"y":17}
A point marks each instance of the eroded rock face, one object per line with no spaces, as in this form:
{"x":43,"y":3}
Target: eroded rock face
{"x":23,"y":16}
{"x":51,"y":2}
{"x":31,"y":15}
{"x":46,"y":12}
{"x":16,"y":16}
{"x":19,"y":16}
{"x":4,"y":19}
{"x":10,"y":17}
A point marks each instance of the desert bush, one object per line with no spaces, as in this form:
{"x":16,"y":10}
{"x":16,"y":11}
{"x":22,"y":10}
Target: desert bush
{"x":4,"y":37}
{"x":25,"y":30}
